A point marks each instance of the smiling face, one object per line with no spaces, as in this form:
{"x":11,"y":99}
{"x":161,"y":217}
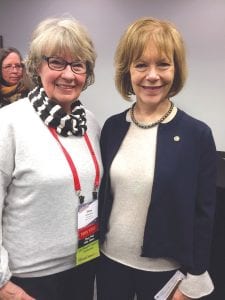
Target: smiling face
{"x":64,"y":86}
{"x":152,"y":76}
{"x":12,"y":70}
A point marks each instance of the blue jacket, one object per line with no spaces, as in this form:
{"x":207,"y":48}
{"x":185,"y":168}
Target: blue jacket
{"x":180,"y":217}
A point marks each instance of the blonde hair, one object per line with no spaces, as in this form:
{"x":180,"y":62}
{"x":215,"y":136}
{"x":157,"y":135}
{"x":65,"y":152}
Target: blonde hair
{"x":60,"y":36}
{"x":134,"y":42}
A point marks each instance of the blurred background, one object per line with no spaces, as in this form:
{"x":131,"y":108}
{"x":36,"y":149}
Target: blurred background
{"x":201,"y":22}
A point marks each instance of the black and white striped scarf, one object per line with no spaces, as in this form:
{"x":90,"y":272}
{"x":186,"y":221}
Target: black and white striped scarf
{"x":53,"y":115}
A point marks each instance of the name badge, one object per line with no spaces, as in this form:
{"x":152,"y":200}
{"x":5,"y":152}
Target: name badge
{"x":88,"y":232}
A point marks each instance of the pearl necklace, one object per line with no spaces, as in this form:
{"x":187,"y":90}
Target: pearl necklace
{"x":151,"y":124}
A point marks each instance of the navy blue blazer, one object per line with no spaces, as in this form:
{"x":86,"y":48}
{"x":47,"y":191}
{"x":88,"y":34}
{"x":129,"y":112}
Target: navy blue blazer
{"x":181,"y":212}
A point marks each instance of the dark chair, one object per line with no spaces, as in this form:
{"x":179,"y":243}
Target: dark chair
{"x":217,"y":263}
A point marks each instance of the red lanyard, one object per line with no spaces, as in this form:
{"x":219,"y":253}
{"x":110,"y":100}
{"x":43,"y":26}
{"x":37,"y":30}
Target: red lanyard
{"x":76,"y":180}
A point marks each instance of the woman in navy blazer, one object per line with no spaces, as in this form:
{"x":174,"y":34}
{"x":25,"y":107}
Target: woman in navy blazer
{"x":157,"y":196}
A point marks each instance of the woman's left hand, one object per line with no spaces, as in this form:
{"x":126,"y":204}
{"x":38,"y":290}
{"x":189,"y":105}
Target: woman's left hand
{"x":177,"y":295}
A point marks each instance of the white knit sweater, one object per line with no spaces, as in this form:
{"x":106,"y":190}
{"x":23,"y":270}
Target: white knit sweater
{"x":37,"y":197}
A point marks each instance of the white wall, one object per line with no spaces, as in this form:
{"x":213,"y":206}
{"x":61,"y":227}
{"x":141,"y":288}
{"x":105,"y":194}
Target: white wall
{"x":202,"y":23}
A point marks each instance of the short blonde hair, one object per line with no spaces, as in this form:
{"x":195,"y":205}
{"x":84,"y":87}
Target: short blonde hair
{"x":60,"y":36}
{"x":134,"y":42}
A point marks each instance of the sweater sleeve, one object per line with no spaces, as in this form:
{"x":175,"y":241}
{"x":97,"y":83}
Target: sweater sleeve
{"x":5,"y":273}
{"x":7,"y":158}
{"x":196,"y":286}
{"x":205,"y":204}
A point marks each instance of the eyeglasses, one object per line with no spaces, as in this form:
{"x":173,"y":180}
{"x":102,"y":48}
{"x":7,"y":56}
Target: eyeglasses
{"x":9,"y":68}
{"x":59,"y":64}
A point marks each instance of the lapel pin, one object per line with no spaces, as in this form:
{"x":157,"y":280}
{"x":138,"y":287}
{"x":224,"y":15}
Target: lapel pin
{"x":176,"y":138}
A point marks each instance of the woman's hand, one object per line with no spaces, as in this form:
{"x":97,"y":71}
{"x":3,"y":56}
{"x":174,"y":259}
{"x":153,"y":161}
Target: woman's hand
{"x":177,"y":295}
{"x":10,"y":291}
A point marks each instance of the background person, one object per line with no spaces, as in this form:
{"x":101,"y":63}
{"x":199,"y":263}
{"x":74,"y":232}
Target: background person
{"x":157,"y":195}
{"x":48,"y":143}
{"x":14,"y":83}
